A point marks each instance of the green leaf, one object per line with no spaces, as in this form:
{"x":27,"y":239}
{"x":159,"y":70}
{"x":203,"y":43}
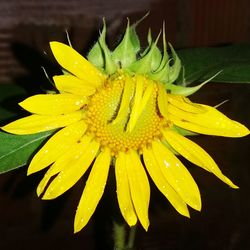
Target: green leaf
{"x":16,"y":150}
{"x":202,"y":63}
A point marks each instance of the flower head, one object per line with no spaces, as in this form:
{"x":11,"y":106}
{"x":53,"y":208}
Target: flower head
{"x":121,"y":108}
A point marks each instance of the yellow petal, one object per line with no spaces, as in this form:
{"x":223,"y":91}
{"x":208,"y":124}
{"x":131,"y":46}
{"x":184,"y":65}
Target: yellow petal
{"x":127,"y":95}
{"x":123,"y":190}
{"x":93,"y":190}
{"x":136,"y":102}
{"x":185,"y":104}
{"x":177,"y":175}
{"x":211,"y":122}
{"x":162,"y":184}
{"x":194,"y":153}
{"x":38,"y":123}
{"x":53,"y":104}
{"x":73,"y":85}
{"x":139,"y":187}
{"x":56,"y":146}
{"x":76,"y":64}
{"x":140,"y":101}
{"x":76,"y":168}
{"x":162,"y":101}
{"x":64,"y":161}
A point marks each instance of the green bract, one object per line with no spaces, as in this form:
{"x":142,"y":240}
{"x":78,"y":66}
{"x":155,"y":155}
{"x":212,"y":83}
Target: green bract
{"x":130,"y":57}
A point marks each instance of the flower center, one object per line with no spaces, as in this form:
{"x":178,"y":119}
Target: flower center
{"x":123,"y":113}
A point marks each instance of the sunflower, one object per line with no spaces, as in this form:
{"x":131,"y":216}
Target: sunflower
{"x":121,"y":108}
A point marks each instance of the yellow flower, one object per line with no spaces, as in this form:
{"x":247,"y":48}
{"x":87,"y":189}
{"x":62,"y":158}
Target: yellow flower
{"x":120,"y":112}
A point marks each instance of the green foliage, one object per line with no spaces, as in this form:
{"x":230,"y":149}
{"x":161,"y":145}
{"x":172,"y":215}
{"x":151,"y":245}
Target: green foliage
{"x":16,"y":150}
{"x":202,"y":63}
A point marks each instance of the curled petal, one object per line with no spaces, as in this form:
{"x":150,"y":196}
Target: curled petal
{"x":140,"y":102}
{"x":127,"y":95}
{"x":93,"y":190}
{"x":162,"y":101}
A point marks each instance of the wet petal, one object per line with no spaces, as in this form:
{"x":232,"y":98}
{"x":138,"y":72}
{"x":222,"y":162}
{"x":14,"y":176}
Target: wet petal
{"x":75,"y":170}
{"x":53,"y":104}
{"x":38,"y":123}
{"x":76,"y":64}
{"x":56,"y":146}
{"x":93,"y":190}
{"x":195,"y":154}
{"x":177,"y":175}
{"x":123,"y":191}
{"x":162,"y":184}
{"x":136,"y":103}
{"x":140,"y":101}
{"x":73,"y":85}
{"x":211,"y":122}
{"x":139,"y":187}
{"x":127,"y":96}
{"x":64,"y":161}
{"x":162,"y":101}
{"x":185,"y":104}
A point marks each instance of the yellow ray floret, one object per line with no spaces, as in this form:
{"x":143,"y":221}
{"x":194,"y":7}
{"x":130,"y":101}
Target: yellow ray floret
{"x":139,"y":186}
{"x":76,"y":64}
{"x":209,"y":121}
{"x":56,"y":146}
{"x":177,"y":175}
{"x":162,"y":184}
{"x":76,"y":168}
{"x":123,"y":190}
{"x":162,"y":101}
{"x":39,"y":123}
{"x":73,"y":85}
{"x":93,"y":190}
{"x":53,"y":104}
{"x":62,"y":163}
{"x":194,"y":153}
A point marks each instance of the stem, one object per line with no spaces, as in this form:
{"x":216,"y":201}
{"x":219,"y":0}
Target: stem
{"x":119,"y":233}
{"x":131,"y":237}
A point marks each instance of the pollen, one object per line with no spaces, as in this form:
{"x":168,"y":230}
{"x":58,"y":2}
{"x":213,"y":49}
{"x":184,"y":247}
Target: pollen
{"x":123,"y":114}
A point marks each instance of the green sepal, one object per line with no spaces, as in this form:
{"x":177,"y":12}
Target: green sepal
{"x":175,"y":69}
{"x":149,"y":62}
{"x":109,"y":65}
{"x":125,"y":53}
{"x":95,"y":55}
{"x":133,"y":35}
{"x":162,"y":73}
{"x":183,"y":131}
{"x":186,"y":91}
{"x":181,"y":90}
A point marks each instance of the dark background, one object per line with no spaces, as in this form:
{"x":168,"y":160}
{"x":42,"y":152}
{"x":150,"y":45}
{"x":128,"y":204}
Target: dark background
{"x":27,"y":26}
